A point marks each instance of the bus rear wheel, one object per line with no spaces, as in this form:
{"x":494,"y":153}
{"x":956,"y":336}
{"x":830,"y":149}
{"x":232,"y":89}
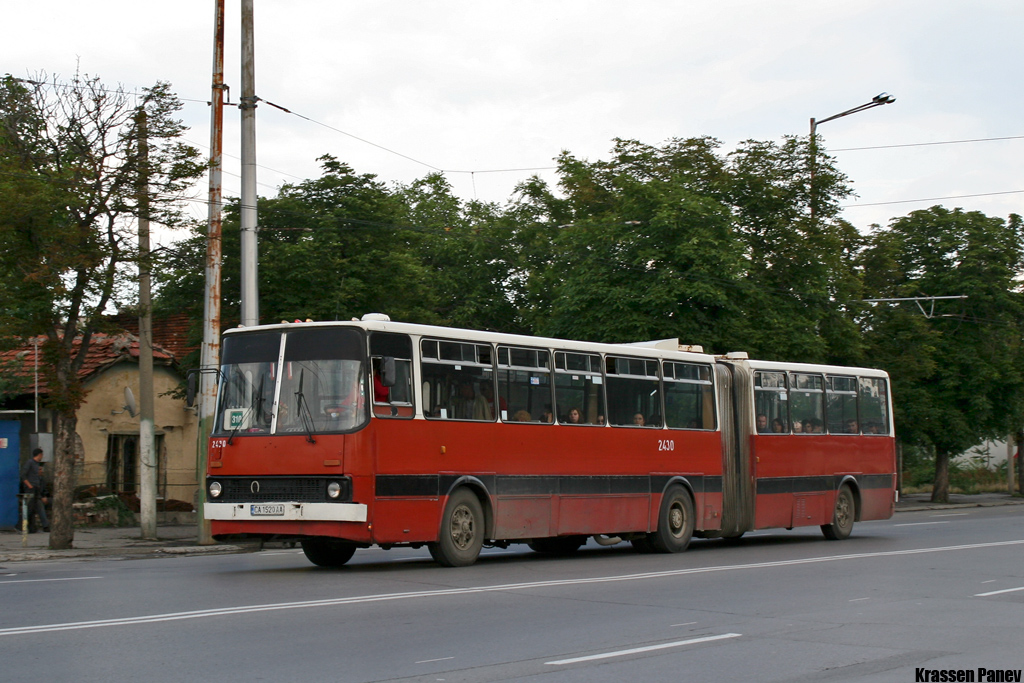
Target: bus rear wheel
{"x":843,"y":516}
{"x":675,"y":523}
{"x":462,"y":531}
{"x":327,"y":552}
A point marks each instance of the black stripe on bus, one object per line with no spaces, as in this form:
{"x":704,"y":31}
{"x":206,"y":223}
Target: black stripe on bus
{"x":770,"y":485}
{"x":432,"y":486}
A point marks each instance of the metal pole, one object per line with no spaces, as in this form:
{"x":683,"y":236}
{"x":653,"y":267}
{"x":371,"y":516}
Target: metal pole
{"x":247,"y":105}
{"x":147,"y":455}
{"x":1009,"y":465}
{"x":210,"y":353}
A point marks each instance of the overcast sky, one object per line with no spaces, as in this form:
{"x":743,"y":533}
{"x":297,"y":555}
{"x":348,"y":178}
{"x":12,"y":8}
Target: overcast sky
{"x":487,"y":85}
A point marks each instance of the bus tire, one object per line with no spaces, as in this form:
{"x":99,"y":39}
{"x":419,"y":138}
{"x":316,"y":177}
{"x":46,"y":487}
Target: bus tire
{"x":559,"y":545}
{"x":843,"y":516}
{"x":675,"y":522}
{"x":462,"y":531}
{"x":327,"y":552}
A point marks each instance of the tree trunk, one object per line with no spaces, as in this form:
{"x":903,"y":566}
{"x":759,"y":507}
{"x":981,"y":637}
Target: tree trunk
{"x":940,"y":491}
{"x":62,"y":525}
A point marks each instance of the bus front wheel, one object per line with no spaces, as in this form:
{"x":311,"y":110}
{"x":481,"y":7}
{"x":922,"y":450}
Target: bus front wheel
{"x":462,"y":531}
{"x":842,"y":517}
{"x":327,"y":552}
{"x":675,"y":523}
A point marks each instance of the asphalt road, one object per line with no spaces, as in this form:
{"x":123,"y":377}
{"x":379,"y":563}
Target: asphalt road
{"x":939,"y":589}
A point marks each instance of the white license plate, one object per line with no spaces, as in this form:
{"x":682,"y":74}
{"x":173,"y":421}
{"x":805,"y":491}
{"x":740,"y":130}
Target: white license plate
{"x":267,"y":510}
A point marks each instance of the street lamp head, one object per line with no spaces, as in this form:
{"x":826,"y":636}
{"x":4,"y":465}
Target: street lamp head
{"x":883,"y":98}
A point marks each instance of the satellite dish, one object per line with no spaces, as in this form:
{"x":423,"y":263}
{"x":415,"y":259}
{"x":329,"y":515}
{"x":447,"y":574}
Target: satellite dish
{"x":129,"y":402}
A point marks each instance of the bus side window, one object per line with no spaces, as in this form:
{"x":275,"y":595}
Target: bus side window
{"x":874,"y":405}
{"x":689,"y":396}
{"x":634,"y":392}
{"x":396,"y":400}
{"x":771,"y":403}
{"x":842,"y":405}
{"x":807,"y":405}
{"x":459,"y":375}
{"x":524,"y":386}
{"x":579,"y":389}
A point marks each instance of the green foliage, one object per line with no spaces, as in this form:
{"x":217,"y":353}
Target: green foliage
{"x":957,"y":377}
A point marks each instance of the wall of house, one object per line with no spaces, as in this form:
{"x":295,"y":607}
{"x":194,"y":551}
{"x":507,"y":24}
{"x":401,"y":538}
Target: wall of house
{"x":102,"y":415}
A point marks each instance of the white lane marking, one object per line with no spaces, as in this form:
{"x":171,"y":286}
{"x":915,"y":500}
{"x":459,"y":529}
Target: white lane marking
{"x":952,"y":514}
{"x":858,"y":599}
{"x":428,"y":661}
{"x":248,"y":609}
{"x":689,"y":623}
{"x":920,"y":523}
{"x":71,"y":578}
{"x":637,"y":650}
{"x":1005,"y":590}
{"x":990,"y":581}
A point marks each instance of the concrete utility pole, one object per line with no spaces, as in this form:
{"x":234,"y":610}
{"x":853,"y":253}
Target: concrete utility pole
{"x":210,"y":352}
{"x":147,"y":455}
{"x":247,"y":105}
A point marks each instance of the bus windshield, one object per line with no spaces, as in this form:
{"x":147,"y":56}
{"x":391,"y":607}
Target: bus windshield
{"x":318,"y":385}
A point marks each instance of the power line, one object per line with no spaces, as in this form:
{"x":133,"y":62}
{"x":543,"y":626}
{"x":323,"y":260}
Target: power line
{"x":926,"y":144}
{"x":932,"y":199}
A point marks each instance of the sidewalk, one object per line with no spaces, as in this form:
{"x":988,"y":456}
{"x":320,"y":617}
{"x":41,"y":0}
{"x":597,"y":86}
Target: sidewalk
{"x":112,"y":542}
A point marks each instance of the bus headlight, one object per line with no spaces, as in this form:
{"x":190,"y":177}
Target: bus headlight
{"x":215,"y":489}
{"x":333,"y":489}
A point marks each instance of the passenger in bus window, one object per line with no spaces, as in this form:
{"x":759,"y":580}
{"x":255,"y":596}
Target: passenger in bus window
{"x":762,"y":423}
{"x":521,"y":416}
{"x":816,"y":426}
{"x":851,"y":427}
{"x":547,"y":417}
{"x":638,"y":419}
{"x":872,"y":428}
{"x":381,"y":393}
{"x":574,"y":417}
{"x":798,"y":427}
{"x":600,"y":420}
{"x":487,"y":391}
{"x":777,"y":426}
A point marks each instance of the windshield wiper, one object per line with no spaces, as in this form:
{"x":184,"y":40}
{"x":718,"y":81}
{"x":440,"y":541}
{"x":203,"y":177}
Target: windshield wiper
{"x":304,"y":414}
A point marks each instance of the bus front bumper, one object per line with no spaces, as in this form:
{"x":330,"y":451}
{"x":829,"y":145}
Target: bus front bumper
{"x":269,"y":512}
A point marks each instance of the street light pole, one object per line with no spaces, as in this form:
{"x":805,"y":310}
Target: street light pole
{"x":876,"y":101}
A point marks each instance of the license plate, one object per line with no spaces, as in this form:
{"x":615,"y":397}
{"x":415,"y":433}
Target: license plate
{"x":267,"y":510}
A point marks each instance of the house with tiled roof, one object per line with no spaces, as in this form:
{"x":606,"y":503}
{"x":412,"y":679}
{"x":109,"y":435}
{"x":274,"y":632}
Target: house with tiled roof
{"x":108,"y":434}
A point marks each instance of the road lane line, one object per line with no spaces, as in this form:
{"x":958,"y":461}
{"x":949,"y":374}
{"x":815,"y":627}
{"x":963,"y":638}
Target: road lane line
{"x":428,"y":661}
{"x":73,"y":578}
{"x":1005,"y":590}
{"x":920,"y":523}
{"x":362,"y":599}
{"x":637,"y":650}
{"x":952,"y":514}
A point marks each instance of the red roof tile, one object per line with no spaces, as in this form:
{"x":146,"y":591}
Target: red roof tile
{"x":169,"y":332}
{"x":104,"y":350}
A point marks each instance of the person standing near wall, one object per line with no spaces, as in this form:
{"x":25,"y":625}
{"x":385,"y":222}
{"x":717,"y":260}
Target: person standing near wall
{"x":32,"y":484}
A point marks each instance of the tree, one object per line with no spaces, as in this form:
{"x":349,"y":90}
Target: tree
{"x":958,"y":377}
{"x":801,"y":268}
{"x":69,"y":167}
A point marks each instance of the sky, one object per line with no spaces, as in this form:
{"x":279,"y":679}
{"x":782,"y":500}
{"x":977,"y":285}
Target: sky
{"x":478,"y":88}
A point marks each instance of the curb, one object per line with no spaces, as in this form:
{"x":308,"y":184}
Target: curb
{"x":80,"y":553}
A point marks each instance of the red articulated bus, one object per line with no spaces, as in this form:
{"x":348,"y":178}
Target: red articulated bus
{"x":344,"y":435}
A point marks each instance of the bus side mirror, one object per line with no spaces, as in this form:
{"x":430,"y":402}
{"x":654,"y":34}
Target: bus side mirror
{"x":387,"y":371}
{"x":190,"y":392}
